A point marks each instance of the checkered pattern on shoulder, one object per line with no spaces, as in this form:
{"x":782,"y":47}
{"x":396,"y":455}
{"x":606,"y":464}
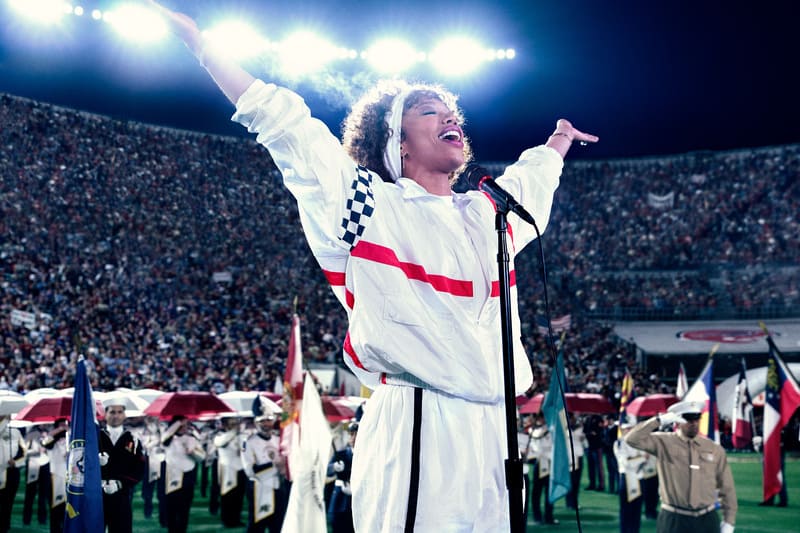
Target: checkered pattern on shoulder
{"x":359,"y":207}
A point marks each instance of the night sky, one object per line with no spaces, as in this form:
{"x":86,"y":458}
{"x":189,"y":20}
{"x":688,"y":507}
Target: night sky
{"x":649,"y":78}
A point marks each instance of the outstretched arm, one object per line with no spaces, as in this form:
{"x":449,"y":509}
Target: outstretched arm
{"x":232,"y":79}
{"x":561,"y":140}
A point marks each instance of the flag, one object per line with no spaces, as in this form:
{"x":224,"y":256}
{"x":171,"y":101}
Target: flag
{"x":782,"y":400}
{"x":556,"y":418}
{"x":306,"y":512}
{"x":292,"y":393}
{"x":625,"y":397}
{"x":558,"y":324}
{"x":742,"y":426}
{"x":84,"y":512}
{"x":704,"y":390}
{"x":683,"y":385}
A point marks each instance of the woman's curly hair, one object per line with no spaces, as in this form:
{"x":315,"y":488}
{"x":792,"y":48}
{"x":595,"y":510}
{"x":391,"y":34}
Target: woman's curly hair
{"x":365,"y":131}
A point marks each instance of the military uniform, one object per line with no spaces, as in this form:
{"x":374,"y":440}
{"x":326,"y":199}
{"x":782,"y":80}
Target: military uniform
{"x":124,"y":469}
{"x":690,"y":472}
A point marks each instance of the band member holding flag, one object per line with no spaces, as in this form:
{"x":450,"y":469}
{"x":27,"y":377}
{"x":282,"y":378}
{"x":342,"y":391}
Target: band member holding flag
{"x":84,"y":505}
{"x":122,"y":461}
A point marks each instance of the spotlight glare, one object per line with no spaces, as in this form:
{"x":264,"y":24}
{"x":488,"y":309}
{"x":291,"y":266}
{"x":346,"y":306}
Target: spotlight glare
{"x":78,"y":11}
{"x":236,"y":39}
{"x":97,"y":14}
{"x":391,"y":56}
{"x":137,"y":23}
{"x":40,"y":11}
{"x":511,"y":53}
{"x":304,"y":52}
{"x":458,"y":56}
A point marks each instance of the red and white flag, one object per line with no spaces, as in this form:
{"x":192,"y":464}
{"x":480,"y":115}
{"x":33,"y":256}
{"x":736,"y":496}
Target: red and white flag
{"x":742,"y":426}
{"x":292,"y":392}
{"x":683,"y":384}
{"x":782,"y":400}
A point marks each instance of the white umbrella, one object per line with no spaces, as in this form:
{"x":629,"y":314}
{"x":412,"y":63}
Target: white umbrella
{"x":11,"y":405}
{"x":134,"y":404}
{"x":148,"y":394}
{"x":242,"y":402}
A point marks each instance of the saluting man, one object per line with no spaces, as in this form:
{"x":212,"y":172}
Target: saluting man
{"x":692,"y":471}
{"x":122,"y":466}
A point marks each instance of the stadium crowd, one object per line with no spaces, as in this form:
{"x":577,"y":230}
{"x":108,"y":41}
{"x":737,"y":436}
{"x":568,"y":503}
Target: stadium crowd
{"x":173,"y":259}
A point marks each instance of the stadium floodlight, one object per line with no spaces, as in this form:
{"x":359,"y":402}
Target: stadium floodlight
{"x":391,"y":56}
{"x":40,"y":11}
{"x":456,"y":56}
{"x":97,"y":14}
{"x":137,"y":23}
{"x":304,"y":52}
{"x":236,"y":39}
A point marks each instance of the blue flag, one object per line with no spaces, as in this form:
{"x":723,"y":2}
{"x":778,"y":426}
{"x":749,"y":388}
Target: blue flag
{"x":84,"y":512}
{"x":555,"y":416}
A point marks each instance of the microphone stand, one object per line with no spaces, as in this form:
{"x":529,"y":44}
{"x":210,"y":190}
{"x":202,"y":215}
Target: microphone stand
{"x":513,"y":465}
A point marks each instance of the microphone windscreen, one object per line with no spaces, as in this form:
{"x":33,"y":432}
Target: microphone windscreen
{"x":474,"y":174}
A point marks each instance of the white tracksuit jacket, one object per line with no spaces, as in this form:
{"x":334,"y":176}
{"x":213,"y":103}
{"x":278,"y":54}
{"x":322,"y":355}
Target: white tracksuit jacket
{"x":417,"y":274}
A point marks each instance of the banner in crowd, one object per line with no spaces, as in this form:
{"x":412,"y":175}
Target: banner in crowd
{"x":782,"y":400}
{"x":664,"y":201}
{"x":742,"y":419}
{"x":84,"y":511}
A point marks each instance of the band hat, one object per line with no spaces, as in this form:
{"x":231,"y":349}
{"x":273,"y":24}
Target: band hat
{"x":117,"y":400}
{"x":687,"y":407}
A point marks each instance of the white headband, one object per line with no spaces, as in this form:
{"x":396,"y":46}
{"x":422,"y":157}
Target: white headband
{"x":394,"y":119}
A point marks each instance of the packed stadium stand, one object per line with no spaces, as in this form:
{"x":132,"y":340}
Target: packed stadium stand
{"x":173,"y":259}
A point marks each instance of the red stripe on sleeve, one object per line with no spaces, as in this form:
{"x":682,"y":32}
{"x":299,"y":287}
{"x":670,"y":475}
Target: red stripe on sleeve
{"x":348,"y":348}
{"x":512,"y":279}
{"x":334,"y":278}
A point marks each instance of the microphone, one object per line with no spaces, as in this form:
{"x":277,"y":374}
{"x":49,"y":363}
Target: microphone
{"x":480,"y":179}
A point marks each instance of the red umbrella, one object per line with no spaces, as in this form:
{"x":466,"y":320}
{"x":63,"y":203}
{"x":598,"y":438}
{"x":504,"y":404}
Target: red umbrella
{"x":651,"y":405}
{"x":532,"y":405}
{"x":585,"y":402}
{"x":577,"y":402}
{"x":336,"y":408}
{"x":51,"y":408}
{"x":191,"y":404}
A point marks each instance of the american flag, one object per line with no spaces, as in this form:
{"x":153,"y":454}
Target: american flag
{"x":559,"y":324}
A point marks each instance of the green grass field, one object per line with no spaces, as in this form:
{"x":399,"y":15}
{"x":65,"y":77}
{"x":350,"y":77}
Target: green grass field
{"x":598,"y":510}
